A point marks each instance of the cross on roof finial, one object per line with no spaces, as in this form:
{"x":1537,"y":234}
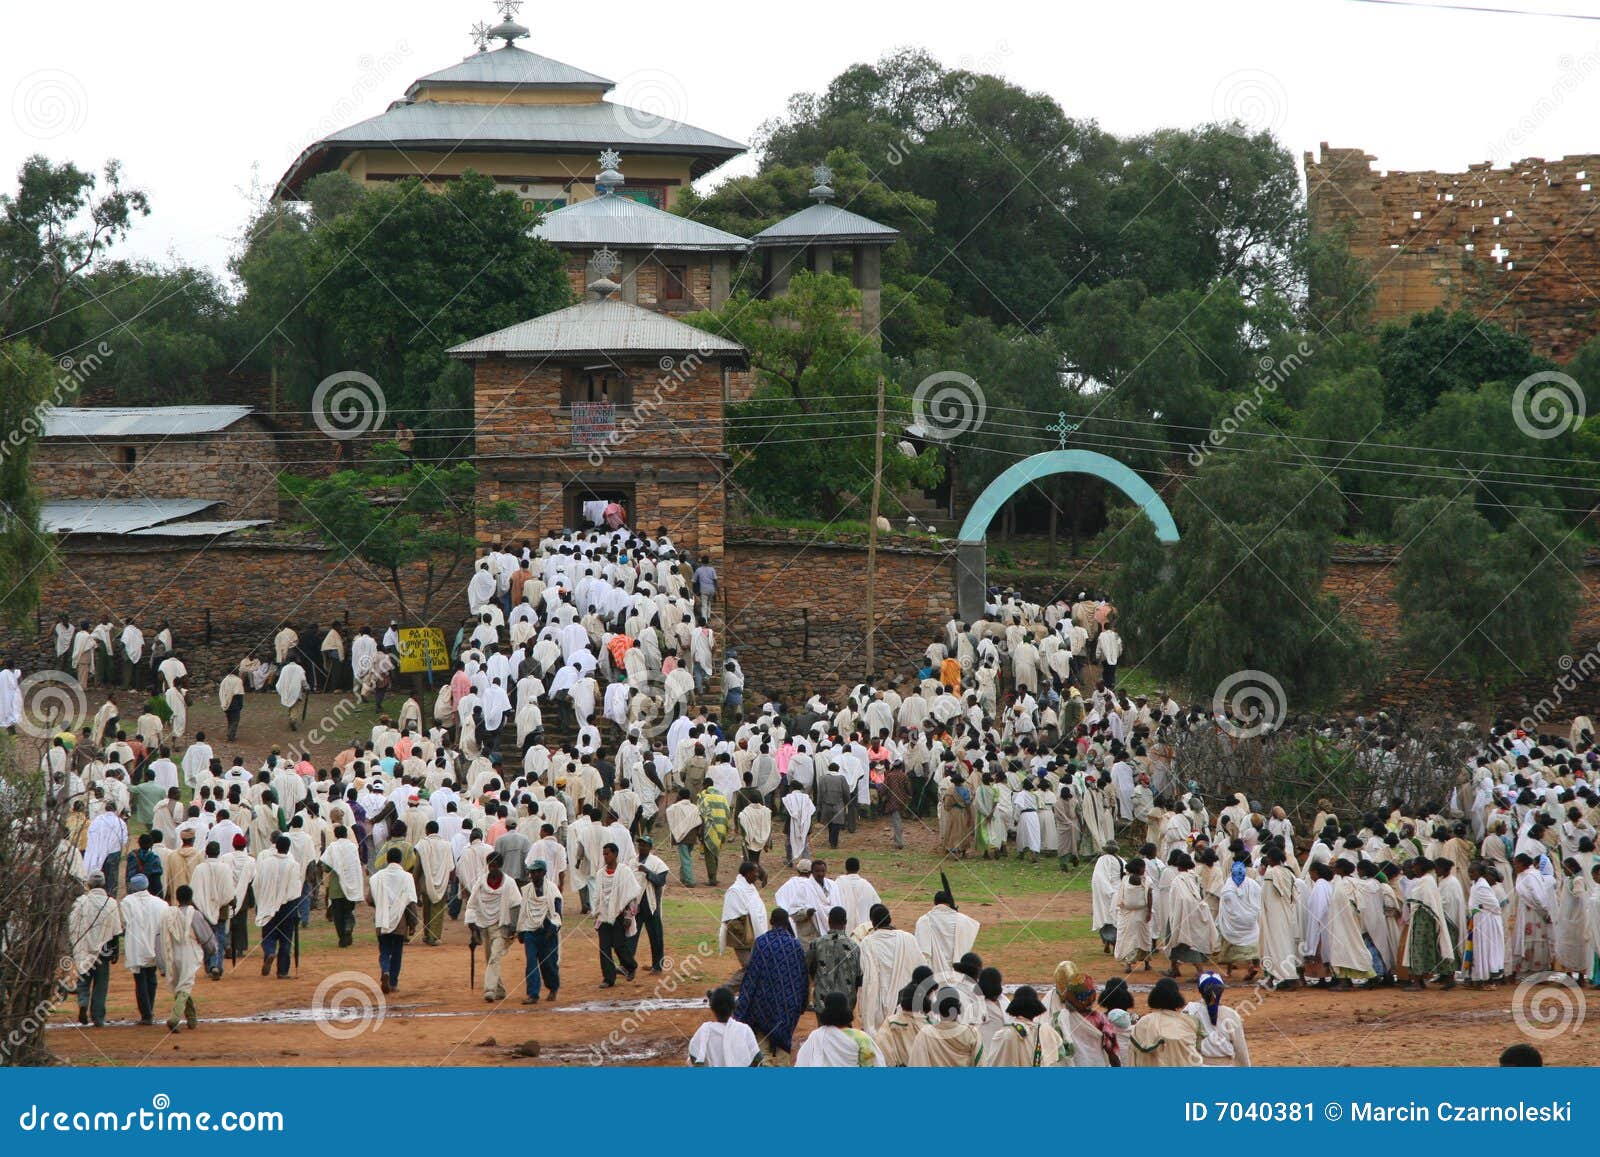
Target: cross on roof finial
{"x":480,"y":34}
{"x":603,"y":266}
{"x":823,"y":176}
{"x":509,"y":8}
{"x":1062,"y":428}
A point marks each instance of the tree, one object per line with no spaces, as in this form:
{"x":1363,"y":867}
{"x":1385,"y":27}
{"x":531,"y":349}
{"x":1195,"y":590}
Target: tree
{"x":803,"y":442}
{"x":1437,"y":352}
{"x":1241,"y":593}
{"x":28,"y":382}
{"x":1483,"y":605}
{"x":404,"y":273}
{"x":53,"y":229}
{"x":411,"y":523}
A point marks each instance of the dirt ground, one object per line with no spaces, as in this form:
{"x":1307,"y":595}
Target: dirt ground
{"x":1033,"y":915}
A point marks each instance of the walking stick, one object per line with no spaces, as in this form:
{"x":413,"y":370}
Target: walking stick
{"x":472,"y":958}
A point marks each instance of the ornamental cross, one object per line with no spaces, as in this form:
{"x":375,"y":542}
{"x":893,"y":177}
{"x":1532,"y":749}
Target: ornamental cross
{"x":821,"y":174}
{"x":604,"y":263}
{"x":480,"y":33}
{"x":1062,"y":428}
{"x":610,"y":159}
{"x":509,"y":9}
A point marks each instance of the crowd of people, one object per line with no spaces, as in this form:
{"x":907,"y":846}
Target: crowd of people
{"x":1011,"y":738}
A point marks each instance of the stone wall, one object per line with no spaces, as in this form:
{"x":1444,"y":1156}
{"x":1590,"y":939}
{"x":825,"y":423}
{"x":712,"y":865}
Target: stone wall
{"x":795,"y":608}
{"x":237,"y":467}
{"x":1515,"y":245}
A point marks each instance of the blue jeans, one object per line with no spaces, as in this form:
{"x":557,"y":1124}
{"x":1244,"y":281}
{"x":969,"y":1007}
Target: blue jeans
{"x":541,"y":959}
{"x":391,"y":948}
{"x":277,"y":937}
{"x":214,"y":957}
{"x":305,"y":906}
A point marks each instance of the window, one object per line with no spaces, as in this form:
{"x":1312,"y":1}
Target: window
{"x":674,"y":280}
{"x":130,"y":458}
{"x":599,"y":383}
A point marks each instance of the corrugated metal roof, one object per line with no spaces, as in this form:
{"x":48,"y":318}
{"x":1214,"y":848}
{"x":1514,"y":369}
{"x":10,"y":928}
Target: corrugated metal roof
{"x":200,"y":529}
{"x":608,"y":326}
{"x":822,"y":223}
{"x":510,"y":65}
{"x":595,"y":125}
{"x":139,"y":421}
{"x":622,"y":222}
{"x":115,"y":515}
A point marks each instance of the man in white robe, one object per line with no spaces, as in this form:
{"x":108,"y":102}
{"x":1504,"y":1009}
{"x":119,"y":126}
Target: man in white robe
{"x":856,"y":894}
{"x":888,"y":958}
{"x":291,"y":688}
{"x":944,"y":934}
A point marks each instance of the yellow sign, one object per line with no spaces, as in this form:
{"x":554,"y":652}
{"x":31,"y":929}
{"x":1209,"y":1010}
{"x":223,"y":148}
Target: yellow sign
{"x":423,"y":649}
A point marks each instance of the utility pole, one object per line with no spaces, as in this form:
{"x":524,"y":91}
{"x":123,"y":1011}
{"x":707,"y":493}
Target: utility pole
{"x":872,"y":527}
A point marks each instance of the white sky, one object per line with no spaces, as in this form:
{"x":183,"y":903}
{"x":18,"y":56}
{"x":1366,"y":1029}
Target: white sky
{"x":191,"y":96}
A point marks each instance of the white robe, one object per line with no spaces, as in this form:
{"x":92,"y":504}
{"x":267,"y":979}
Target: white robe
{"x":945,"y":936}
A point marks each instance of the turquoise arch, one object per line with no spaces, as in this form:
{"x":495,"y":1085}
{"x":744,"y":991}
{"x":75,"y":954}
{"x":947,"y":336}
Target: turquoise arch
{"x":1051,"y":462}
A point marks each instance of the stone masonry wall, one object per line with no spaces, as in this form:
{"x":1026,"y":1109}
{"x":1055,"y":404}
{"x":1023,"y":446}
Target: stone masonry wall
{"x":237,"y":467}
{"x":1516,"y":245}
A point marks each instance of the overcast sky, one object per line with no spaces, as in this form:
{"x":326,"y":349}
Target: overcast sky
{"x":199,"y":100}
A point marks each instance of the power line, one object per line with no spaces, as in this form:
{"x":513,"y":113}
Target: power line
{"x":1475,"y":8}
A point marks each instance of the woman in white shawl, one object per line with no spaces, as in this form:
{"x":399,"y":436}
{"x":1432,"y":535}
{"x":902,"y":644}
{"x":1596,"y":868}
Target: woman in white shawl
{"x":1191,"y":932}
{"x":1103,"y":886}
{"x":1281,"y":958}
{"x":1223,"y":1043}
{"x":1239,"y":921}
{"x":1485,"y":953}
{"x":833,"y":1044}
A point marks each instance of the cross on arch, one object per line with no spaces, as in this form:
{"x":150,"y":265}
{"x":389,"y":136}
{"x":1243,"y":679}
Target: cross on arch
{"x":1062,"y":428}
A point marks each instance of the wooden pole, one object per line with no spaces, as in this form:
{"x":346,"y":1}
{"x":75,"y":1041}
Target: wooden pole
{"x":872,"y":528}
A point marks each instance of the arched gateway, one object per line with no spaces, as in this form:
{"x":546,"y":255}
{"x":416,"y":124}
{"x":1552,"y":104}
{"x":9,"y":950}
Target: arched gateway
{"x":970,"y":554}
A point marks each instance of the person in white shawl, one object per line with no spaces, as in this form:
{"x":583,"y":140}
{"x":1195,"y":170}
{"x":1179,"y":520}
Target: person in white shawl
{"x":10,"y":694}
{"x":393,"y":894}
{"x":1103,"y":887}
{"x":1486,"y":942}
{"x":755,"y":830}
{"x":1191,"y":931}
{"x":346,"y":884}
{"x":93,"y":926}
{"x":944,"y":934}
{"x":856,"y":893}
{"x":800,"y":809}
{"x":1281,"y":919}
{"x":833,"y":1044}
{"x":434,"y":866}
{"x":279,"y":881}
{"x":142,"y":916}
{"x":1239,"y":921}
{"x":724,"y":1043}
{"x":1348,"y":953}
{"x":1428,"y":950}
{"x":291,"y":688}
{"x":888,"y":958}
{"x":739,"y":902}
{"x":186,"y":941}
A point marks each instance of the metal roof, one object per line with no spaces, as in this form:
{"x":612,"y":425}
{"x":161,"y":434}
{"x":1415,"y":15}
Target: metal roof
{"x":115,"y":515}
{"x":199,"y":529}
{"x":525,"y":128}
{"x":590,"y":327}
{"x":512,"y":66}
{"x":824,"y":223}
{"x":623,"y":223}
{"x":139,"y":421}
